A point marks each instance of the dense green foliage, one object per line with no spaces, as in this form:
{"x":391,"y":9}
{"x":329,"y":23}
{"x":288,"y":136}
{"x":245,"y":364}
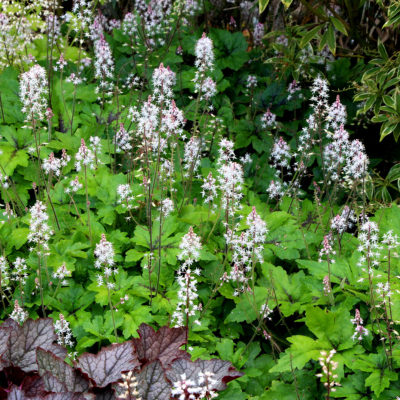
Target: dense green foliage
{"x":276,"y":285}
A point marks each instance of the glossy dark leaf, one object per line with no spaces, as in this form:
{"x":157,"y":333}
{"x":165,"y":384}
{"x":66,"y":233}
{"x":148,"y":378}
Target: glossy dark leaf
{"x":22,"y":342}
{"x":64,"y":373}
{"x":106,"y":366}
{"x":223,"y":371}
{"x":163,"y":345}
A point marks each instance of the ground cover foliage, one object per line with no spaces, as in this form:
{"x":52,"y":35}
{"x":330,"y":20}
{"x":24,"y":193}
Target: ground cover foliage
{"x":188,"y":206}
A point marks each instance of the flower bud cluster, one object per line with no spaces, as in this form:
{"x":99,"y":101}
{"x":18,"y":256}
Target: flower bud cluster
{"x":18,"y":314}
{"x":360,"y":331}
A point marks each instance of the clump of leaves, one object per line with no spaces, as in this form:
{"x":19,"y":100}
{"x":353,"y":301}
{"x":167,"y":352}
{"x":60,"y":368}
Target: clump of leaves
{"x":33,"y":366}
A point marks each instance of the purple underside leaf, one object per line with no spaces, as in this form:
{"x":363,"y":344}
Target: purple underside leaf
{"x":58,"y":375}
{"x":223,"y":371}
{"x":22,"y":342}
{"x":17,"y":394}
{"x":31,"y":383}
{"x":106,"y":366}
{"x":151,"y":384}
{"x":163,"y":345}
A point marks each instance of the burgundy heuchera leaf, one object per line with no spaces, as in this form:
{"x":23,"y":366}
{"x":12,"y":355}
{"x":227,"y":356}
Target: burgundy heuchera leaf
{"x":16,"y":393}
{"x":162,"y":345}
{"x":152,"y":383}
{"x":106,"y":366}
{"x":30,"y":383}
{"x":22,"y":341}
{"x":53,"y":366}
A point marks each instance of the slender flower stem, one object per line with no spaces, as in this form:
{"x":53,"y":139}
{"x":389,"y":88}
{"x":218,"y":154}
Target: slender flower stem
{"x":112,"y":313}
{"x":88,"y":206}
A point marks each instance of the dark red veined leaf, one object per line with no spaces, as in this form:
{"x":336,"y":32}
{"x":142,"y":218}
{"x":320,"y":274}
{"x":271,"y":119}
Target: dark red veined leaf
{"x":16,"y":393}
{"x":4,"y":338}
{"x":64,"y":396}
{"x":33,"y":385}
{"x":151,"y":384}
{"x":223,"y":371}
{"x":106,"y":366}
{"x":163,"y":345}
{"x":22,"y":342}
{"x":9,"y":323}
{"x":52,"y":384}
{"x":64,"y":373}
{"x":5,"y":329}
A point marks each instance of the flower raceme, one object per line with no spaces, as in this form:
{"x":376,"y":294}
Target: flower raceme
{"x":268,"y":120}
{"x":327,"y":249}
{"x":39,"y":230}
{"x":204,"y":387}
{"x":337,"y":115}
{"x":187,"y":294}
{"x":122,"y":139}
{"x":190,"y":248}
{"x":18,"y":314}
{"x":280,"y":155}
{"x":104,"y":64}
{"x":359,"y":330}
{"x":328,"y":368}
{"x":257,"y":228}
{"x":104,"y":254}
{"x":164,"y":80}
{"x":33,"y":93}
{"x":258,"y":33}
{"x":166,"y":207}
{"x":63,"y":332}
{"x":204,"y":52}
{"x":84,"y":157}
{"x":204,"y":85}
{"x":344,"y":221}
{"x":5,"y":276}
{"x":173,"y":120}
{"x":247,"y":248}
{"x":74,"y":186}
{"x":52,"y":165}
